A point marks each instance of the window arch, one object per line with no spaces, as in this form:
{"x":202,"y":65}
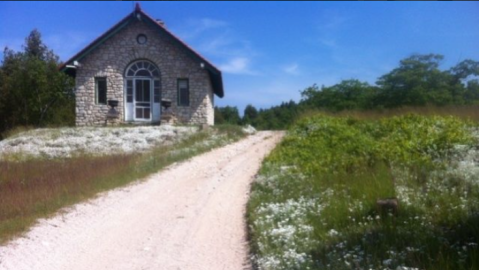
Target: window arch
{"x":142,"y":68}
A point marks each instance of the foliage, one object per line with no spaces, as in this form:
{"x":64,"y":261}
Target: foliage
{"x":277,"y":117}
{"x":250,"y":114}
{"x":313,"y":205}
{"x":349,"y":144}
{"x":418,"y":81}
{"x":347,"y":95}
{"x":33,"y":92}
{"x":227,"y":115}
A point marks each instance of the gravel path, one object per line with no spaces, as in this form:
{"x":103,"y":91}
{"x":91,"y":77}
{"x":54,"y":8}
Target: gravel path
{"x":189,"y":216}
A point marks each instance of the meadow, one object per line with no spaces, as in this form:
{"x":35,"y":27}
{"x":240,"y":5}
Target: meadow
{"x":37,"y":184}
{"x":317,"y":201}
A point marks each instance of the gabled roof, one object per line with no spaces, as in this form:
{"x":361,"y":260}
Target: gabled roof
{"x":137,"y":14}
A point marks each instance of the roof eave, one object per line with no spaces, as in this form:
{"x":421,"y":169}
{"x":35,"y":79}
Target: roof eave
{"x":216,"y":83}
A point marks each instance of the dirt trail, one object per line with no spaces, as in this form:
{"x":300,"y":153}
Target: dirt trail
{"x":189,"y":216}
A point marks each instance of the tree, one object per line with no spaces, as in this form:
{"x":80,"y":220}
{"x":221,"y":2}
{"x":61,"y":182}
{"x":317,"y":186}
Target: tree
{"x":219,"y":118}
{"x":471,"y":95}
{"x":34,"y":46}
{"x":277,"y":117}
{"x":416,"y":82}
{"x":250,"y":114}
{"x":347,"y":95}
{"x":227,"y":115}
{"x":32,"y":89}
{"x":465,"y":69}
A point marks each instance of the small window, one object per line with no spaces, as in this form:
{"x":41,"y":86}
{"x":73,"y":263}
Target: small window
{"x":100,"y":90}
{"x":143,"y":73}
{"x":141,"y":39}
{"x":183,"y":92}
{"x":156,"y":91}
{"x":129,"y":91}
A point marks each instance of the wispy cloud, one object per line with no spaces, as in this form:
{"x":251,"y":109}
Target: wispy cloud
{"x":330,"y":25}
{"x":292,"y":69}
{"x":332,"y":20}
{"x":207,"y":23}
{"x":238,"y":65}
{"x":219,"y":44}
{"x":65,"y":45}
{"x":219,"y":41}
{"x":194,"y":27}
{"x":328,"y":42}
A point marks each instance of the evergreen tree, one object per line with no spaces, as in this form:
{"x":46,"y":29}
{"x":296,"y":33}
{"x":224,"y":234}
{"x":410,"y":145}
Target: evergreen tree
{"x":32,"y":89}
{"x":227,"y":115}
{"x":250,"y":114}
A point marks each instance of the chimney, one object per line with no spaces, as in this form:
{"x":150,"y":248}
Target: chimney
{"x":161,"y":22}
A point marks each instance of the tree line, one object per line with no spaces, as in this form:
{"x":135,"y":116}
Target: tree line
{"x":33,"y":92}
{"x":417,"y":81}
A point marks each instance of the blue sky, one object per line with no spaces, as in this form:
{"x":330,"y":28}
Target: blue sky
{"x":269,"y":51}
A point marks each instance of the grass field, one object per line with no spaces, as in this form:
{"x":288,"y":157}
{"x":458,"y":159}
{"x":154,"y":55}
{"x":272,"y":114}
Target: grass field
{"x":315,"y":203}
{"x":38,"y":187}
{"x":465,"y":112}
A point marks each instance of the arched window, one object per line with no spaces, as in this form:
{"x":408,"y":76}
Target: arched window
{"x":142,"y":69}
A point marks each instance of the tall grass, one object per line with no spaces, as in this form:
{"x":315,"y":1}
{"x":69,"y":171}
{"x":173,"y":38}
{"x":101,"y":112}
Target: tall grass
{"x":33,"y":189}
{"x":314,"y":203}
{"x":37,"y":188}
{"x":466,"y":112}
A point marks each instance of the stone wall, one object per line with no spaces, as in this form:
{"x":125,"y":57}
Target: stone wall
{"x":111,"y":59}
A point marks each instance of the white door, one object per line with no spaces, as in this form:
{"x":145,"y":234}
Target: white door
{"x":142,"y":92}
{"x":142,"y":100}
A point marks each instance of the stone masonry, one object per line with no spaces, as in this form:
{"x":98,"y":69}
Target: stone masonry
{"x":111,"y":60}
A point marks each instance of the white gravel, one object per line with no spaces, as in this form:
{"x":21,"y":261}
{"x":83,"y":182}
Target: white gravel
{"x":67,"y":142}
{"x":189,"y":216}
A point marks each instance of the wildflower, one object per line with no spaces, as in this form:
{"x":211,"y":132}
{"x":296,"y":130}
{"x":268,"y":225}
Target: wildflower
{"x":387,"y":262}
{"x":333,"y":232}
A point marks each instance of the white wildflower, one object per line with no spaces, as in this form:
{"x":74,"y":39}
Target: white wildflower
{"x":333,"y":232}
{"x":67,"y":142}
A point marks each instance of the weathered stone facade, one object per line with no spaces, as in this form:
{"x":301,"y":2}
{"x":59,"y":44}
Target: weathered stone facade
{"x":111,"y":59}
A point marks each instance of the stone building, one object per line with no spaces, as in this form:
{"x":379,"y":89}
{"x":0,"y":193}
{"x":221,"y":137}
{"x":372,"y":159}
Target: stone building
{"x":140,"y":63}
